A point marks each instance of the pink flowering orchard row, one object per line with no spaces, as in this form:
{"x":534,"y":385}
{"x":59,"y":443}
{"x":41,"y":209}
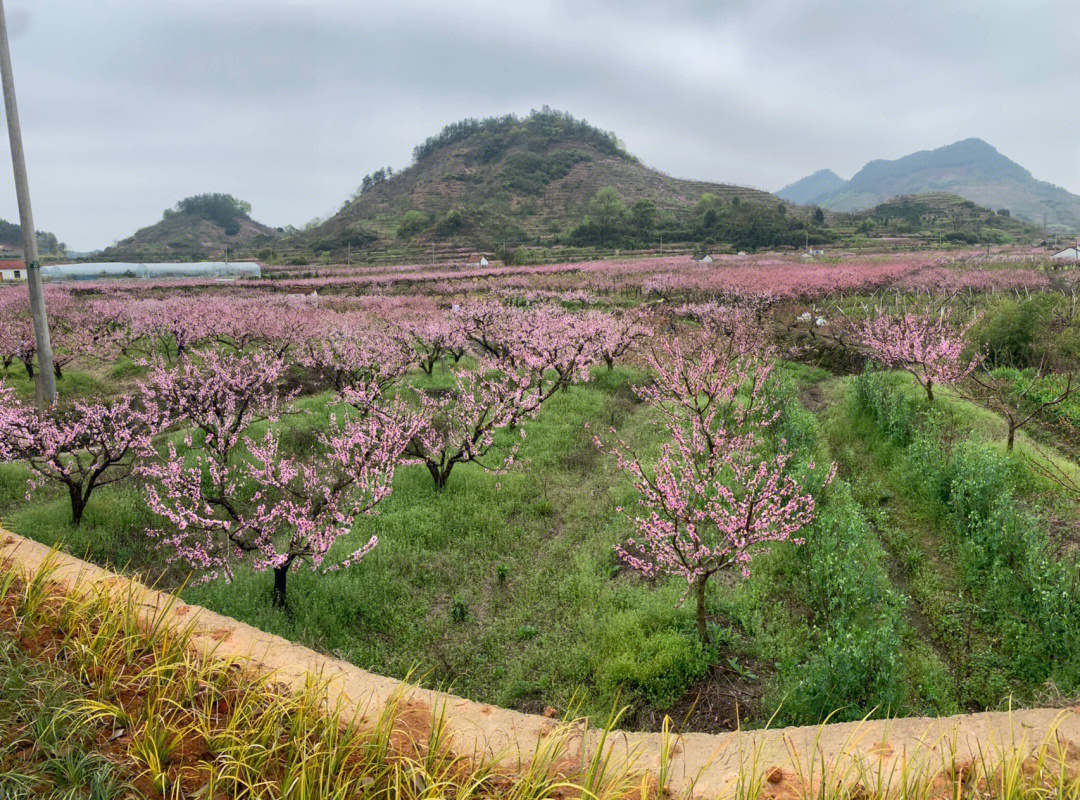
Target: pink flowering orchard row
{"x":721,"y":490}
{"x":314,"y":330}
{"x":226,"y":489}
{"x":770,"y":277}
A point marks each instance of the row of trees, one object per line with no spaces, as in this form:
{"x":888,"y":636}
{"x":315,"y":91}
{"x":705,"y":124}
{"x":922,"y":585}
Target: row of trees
{"x":203,"y":429}
{"x":722,"y":488}
{"x":935,"y":350}
{"x":743,"y":224}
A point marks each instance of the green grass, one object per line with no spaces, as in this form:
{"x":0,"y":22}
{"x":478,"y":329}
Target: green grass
{"x":966,"y":527}
{"x":505,"y":588}
{"x":458,"y":573}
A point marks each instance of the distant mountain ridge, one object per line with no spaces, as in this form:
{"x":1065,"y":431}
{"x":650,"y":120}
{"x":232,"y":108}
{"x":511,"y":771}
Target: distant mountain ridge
{"x":971,"y":169}
{"x":806,"y":191}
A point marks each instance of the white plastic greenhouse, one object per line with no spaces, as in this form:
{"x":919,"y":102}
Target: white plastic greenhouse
{"x":105,"y":270}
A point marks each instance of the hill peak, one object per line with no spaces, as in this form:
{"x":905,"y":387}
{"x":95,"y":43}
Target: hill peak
{"x":197,"y":228}
{"x":809,"y":189}
{"x":482,"y":183}
{"x":542,"y":129}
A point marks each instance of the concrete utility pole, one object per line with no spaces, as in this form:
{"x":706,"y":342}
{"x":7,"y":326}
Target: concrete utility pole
{"x":46,"y":378}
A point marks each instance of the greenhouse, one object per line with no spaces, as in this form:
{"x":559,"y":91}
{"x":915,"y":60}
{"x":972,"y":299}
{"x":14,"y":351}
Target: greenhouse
{"x":92,"y":271}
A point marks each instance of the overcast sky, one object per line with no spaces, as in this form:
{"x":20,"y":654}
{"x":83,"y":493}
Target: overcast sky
{"x":129,"y":105}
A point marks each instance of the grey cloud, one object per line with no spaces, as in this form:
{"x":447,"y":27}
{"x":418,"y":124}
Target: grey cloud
{"x":128,"y":106}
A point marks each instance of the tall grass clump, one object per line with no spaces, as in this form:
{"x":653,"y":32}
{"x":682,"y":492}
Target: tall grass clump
{"x":145,"y":715}
{"x":1015,"y":628}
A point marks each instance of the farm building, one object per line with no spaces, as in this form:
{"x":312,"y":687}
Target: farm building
{"x":12,"y":271}
{"x":1068,"y":254}
{"x":178,"y":270}
{"x":705,"y":259}
{"x":477,"y":260}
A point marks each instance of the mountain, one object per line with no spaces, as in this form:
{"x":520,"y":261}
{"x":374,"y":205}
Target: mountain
{"x":199,"y":228}
{"x":971,"y":169}
{"x":11,"y":243}
{"x":807,"y":191}
{"x":535,"y":180}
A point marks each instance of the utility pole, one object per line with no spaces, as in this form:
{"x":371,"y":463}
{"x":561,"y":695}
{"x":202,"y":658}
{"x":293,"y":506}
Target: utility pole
{"x":46,"y":378}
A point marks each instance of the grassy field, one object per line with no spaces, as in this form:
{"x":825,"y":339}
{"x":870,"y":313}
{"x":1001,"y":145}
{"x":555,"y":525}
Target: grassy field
{"x":939,"y":576}
{"x":505,"y":588}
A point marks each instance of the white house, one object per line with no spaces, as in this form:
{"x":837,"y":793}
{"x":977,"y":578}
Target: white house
{"x":12,"y":271}
{"x":476,"y":260}
{"x":1068,"y":254}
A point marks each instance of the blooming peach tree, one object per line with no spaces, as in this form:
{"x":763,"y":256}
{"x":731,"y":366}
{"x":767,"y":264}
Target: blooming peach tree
{"x":929,"y":347}
{"x":718,"y":493}
{"x":350,"y":351}
{"x":83,"y":447}
{"x":237,"y":494}
{"x":542,"y":352}
{"x":460,"y":425}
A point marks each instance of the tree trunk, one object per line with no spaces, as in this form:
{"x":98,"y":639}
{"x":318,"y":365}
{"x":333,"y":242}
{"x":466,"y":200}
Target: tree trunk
{"x":78,"y":504}
{"x":280,"y":576}
{"x":1012,"y":435}
{"x":440,"y":475}
{"x":700,"y":582}
{"x":929,"y":391}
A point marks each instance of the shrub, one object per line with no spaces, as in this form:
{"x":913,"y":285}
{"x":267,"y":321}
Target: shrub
{"x":411,"y":224}
{"x":1010,"y":331}
{"x":650,"y":652}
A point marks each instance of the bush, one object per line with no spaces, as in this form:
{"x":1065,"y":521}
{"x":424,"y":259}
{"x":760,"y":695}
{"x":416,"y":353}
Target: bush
{"x":853,"y":670}
{"x":1011,"y":332}
{"x":649,"y":651}
{"x":658,"y":667}
{"x":411,"y":224}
